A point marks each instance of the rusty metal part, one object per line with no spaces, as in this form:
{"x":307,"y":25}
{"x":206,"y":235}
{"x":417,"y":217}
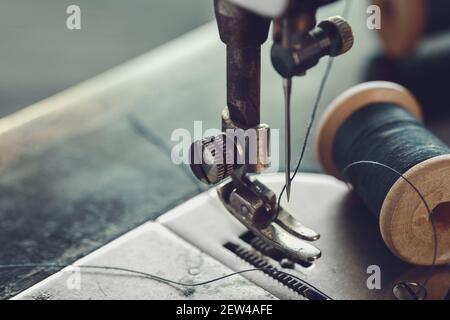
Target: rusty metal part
{"x":238,"y":27}
{"x":243,"y":85}
{"x":243,"y":32}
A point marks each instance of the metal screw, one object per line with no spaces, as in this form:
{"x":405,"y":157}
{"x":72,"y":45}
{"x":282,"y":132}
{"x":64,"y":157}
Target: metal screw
{"x":409,"y":291}
{"x":287,"y":264}
{"x":244,"y":209}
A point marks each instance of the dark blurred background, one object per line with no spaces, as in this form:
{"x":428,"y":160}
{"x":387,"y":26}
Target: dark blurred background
{"x":40,"y":56}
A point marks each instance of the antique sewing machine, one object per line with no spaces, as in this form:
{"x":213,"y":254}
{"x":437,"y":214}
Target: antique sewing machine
{"x":244,"y":146}
{"x":199,"y":240}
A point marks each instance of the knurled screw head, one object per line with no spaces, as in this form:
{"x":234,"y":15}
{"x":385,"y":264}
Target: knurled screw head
{"x":211,"y":159}
{"x":344,"y":31}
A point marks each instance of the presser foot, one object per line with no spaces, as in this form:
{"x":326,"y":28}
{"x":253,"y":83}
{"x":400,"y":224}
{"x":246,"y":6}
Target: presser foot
{"x":255,"y":206}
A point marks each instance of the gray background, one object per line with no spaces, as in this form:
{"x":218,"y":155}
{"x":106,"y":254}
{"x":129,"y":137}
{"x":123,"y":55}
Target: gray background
{"x":40,"y":56}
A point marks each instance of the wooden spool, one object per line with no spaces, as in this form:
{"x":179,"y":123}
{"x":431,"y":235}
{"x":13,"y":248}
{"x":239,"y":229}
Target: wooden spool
{"x":404,"y":220}
{"x":403,"y":24}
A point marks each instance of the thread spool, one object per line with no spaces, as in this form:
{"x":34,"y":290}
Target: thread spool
{"x":381,"y":122}
{"x":404,"y":23}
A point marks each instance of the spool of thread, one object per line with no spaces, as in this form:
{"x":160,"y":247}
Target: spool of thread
{"x":381,"y":122}
{"x":404,"y":23}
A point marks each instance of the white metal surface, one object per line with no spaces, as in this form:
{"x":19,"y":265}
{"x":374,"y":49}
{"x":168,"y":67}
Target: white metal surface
{"x":153,"y":249}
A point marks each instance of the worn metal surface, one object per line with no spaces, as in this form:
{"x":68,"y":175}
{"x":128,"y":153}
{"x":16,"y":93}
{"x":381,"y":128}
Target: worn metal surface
{"x":151,"y":248}
{"x":243,"y":32}
{"x":75,"y":171}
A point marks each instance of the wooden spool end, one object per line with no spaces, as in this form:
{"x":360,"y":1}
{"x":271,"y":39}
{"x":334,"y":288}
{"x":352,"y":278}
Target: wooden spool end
{"x":404,"y":220}
{"x":403,"y":24}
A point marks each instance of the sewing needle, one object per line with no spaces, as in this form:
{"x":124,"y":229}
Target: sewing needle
{"x":287,"y":87}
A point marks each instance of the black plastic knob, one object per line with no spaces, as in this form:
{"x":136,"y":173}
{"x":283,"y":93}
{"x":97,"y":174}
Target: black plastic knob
{"x":332,"y":37}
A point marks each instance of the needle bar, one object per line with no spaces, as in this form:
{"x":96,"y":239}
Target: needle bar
{"x":287,"y":88}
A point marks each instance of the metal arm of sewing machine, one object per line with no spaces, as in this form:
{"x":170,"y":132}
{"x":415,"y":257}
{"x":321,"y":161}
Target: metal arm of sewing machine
{"x":214,"y":159}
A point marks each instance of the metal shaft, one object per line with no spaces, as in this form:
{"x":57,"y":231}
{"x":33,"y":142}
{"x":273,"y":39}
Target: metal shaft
{"x":287,"y":88}
{"x":243,"y":85}
{"x":243,"y":32}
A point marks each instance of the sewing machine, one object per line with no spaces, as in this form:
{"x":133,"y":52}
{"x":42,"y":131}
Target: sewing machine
{"x":298,"y":44}
{"x":197,"y":240}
